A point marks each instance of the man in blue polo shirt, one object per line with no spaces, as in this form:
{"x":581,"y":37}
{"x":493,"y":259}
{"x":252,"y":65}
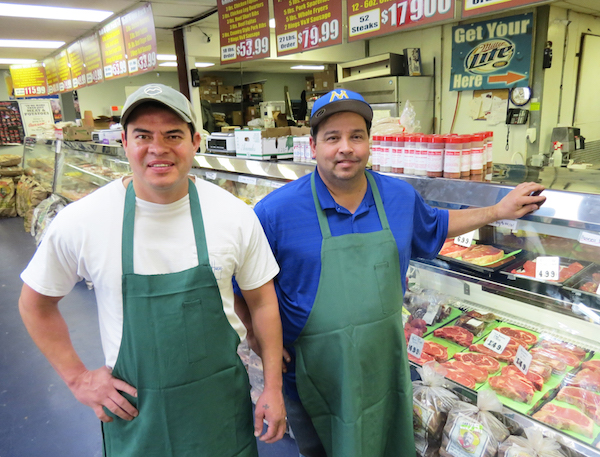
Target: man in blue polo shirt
{"x":343,"y":238}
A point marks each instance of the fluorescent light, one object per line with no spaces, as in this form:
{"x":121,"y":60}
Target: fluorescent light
{"x":308,"y":67}
{"x":204,"y":64}
{"x":166,"y":57}
{"x":17,"y":61}
{"x":53,"y":12}
{"x":168,"y":64}
{"x":272,"y":23}
{"x":30,"y":44}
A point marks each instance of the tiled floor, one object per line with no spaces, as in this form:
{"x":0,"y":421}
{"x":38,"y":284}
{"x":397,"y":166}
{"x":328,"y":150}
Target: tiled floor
{"x":39,"y":417}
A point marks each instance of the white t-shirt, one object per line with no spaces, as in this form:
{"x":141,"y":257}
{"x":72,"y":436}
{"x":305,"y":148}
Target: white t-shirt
{"x":84,"y":242}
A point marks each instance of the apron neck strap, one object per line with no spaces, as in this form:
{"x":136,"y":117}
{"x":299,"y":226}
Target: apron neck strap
{"x":129,"y":220}
{"x":324,"y":224}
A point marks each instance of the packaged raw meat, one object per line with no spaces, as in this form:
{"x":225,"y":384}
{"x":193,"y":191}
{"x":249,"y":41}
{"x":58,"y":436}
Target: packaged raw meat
{"x":532,"y":445}
{"x":587,"y":379}
{"x":456,"y":334}
{"x":451,"y":249}
{"x":482,"y":254}
{"x":558,"y":366}
{"x":421,"y":361}
{"x":508,"y":355}
{"x":517,"y":388}
{"x":563,"y":355}
{"x":593,"y":365}
{"x":521,"y":335}
{"x":533,"y":378}
{"x":473,"y":430}
{"x":566,"y":419}
{"x":431,"y":403}
{"x":545,"y":371}
{"x":475,"y":322}
{"x":563,"y":347}
{"x":486,"y":362}
{"x":479,"y":374}
{"x":439,"y":352}
{"x":588,"y":402}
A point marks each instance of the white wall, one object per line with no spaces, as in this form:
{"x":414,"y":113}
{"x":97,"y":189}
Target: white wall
{"x":4,"y":95}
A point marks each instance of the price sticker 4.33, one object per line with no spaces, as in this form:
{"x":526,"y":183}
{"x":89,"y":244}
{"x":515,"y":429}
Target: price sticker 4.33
{"x":523,"y":359}
{"x":496,"y":341}
{"x":415,"y":345}
{"x":547,"y":268}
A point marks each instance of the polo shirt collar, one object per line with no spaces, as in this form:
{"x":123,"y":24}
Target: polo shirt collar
{"x":327,"y":201}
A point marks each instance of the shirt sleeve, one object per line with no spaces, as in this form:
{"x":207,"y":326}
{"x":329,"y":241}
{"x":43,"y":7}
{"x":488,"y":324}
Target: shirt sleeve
{"x":430,"y":229}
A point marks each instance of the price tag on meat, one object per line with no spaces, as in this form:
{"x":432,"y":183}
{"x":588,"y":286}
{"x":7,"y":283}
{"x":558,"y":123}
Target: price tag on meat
{"x":496,"y":341}
{"x":415,"y":345}
{"x":547,"y":268}
{"x":465,"y":240}
{"x":523,"y":359}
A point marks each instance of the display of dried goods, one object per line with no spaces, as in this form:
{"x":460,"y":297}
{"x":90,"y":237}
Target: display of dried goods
{"x":488,"y":363}
{"x":10,"y":160}
{"x":566,"y":419}
{"x":11,"y":171}
{"x":459,"y":335}
{"x":8,"y":198}
{"x":516,"y":388}
{"x":588,"y":402}
{"x":508,"y":355}
{"x":522,"y":335}
{"x":473,"y":430}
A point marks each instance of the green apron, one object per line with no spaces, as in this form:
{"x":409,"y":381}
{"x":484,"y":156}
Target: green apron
{"x":179,"y":350}
{"x":352,"y":371}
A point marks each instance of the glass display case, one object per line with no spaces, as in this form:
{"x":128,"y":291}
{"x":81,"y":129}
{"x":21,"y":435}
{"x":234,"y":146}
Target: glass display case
{"x":39,"y":160}
{"x":550,"y":318}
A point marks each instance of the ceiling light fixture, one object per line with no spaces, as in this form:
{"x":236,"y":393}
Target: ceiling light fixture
{"x":53,"y":12}
{"x":166,"y":57}
{"x":204,"y":64}
{"x":308,"y":67}
{"x":31,"y":44}
{"x":17,"y":61}
{"x":272,"y":23}
{"x":168,"y":64}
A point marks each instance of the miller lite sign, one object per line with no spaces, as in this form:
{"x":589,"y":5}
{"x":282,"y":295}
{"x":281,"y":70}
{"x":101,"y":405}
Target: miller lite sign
{"x":492,"y":54}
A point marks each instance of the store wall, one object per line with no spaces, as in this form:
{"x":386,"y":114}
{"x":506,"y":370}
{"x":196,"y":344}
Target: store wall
{"x":4,"y":95}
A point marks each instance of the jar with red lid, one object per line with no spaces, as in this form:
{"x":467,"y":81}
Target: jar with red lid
{"x":386,"y":154}
{"x":465,"y":160}
{"x":489,"y":147}
{"x":409,"y":154}
{"x":398,"y":153}
{"x":477,"y":151}
{"x":452,"y":156}
{"x":435,"y":156}
{"x":376,"y":152}
{"x":420,"y":155}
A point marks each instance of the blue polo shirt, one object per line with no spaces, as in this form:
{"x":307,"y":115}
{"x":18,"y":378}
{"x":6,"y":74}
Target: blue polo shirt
{"x":289,"y":219}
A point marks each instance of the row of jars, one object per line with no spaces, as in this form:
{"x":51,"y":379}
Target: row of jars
{"x":449,"y":156}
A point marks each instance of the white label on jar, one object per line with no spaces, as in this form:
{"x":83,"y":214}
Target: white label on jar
{"x":409,"y":159}
{"x":547,"y":268}
{"x":593,"y":239}
{"x":476,"y":158}
{"x":375,"y":155}
{"x":452,"y":161}
{"x":435,"y":160}
{"x":523,"y":359}
{"x":490,"y":150}
{"x":421,"y":159}
{"x":386,"y":158}
{"x":467,"y":438}
{"x":465,"y":160}
{"x":497,"y":341}
{"x":307,"y":152}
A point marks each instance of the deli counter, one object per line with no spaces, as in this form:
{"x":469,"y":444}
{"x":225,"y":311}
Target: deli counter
{"x":554,"y":318}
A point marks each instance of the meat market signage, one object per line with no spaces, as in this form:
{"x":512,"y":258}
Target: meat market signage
{"x":479,"y":7}
{"x":371,"y":18}
{"x":492,"y":54}
{"x":244,"y":30}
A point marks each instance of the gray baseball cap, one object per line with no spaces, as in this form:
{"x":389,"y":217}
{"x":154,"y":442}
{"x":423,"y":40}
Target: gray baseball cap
{"x":159,"y":93}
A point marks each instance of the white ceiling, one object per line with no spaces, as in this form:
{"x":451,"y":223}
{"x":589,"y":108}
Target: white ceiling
{"x":168,"y":14}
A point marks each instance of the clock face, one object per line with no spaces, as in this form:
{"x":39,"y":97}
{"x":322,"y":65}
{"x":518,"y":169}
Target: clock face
{"x":520,"y":95}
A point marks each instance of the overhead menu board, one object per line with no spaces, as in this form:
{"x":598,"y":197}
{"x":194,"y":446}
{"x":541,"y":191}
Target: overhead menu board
{"x":371,"y":18}
{"x":76,"y":63}
{"x":112,"y":45}
{"x":244,"y":30}
{"x":51,"y":75}
{"x":29,"y":80}
{"x":90,"y":48}
{"x":65,"y":83}
{"x":140,"y":40}
{"x":304,"y":25}
{"x":479,"y":7}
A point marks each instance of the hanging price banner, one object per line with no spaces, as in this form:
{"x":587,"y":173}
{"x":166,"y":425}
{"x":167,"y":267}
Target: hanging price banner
{"x":547,"y":268}
{"x":90,"y":47}
{"x":28,"y":80}
{"x":415,"y":345}
{"x":112,"y":45}
{"x":523,"y":359}
{"x":370,"y":18}
{"x":77,"y":66}
{"x":496,"y":341}
{"x":140,"y":40}
{"x":302,"y":26}
{"x":465,"y":239}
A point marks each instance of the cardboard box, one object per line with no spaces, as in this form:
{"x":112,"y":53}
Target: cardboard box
{"x":208,"y":90}
{"x":102,"y":122}
{"x":227,"y":98}
{"x":211,"y":81}
{"x":237,"y":118}
{"x":225,"y":90}
{"x":273,"y":143}
{"x":212,"y":98}
{"x":413,"y":61}
{"x":255,"y":88}
{"x":324,"y":80}
{"x":75,"y":133}
{"x":310,"y":83}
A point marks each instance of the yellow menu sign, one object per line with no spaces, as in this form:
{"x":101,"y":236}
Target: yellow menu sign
{"x":76,"y":62}
{"x":29,"y":80}
{"x":64,"y":72}
{"x":51,"y":75}
{"x":140,"y":40}
{"x":113,"y":50}
{"x":90,"y":48}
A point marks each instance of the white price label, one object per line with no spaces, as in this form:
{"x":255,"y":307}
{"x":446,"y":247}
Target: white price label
{"x":547,"y":268}
{"x":247,"y":180}
{"x":366,"y":22}
{"x":415,"y":345}
{"x":432,"y":311}
{"x":287,"y":41}
{"x":277,"y":184}
{"x":465,"y":240}
{"x":505,"y":223}
{"x":593,"y":239}
{"x":210,"y":175}
{"x":496,"y":341}
{"x":523,"y":359}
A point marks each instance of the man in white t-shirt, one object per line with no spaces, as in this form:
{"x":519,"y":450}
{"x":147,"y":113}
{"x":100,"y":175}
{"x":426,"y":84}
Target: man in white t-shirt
{"x":161,"y":249}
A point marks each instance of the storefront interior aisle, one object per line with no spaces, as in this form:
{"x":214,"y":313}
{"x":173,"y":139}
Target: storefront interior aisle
{"x":39,"y":417}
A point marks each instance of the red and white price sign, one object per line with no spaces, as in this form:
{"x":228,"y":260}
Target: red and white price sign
{"x":547,"y":268}
{"x":140,"y":40}
{"x":370,"y":18}
{"x":301,"y":25}
{"x":465,"y":240}
{"x":496,"y":341}
{"x":415,"y":345}
{"x":523,"y":359}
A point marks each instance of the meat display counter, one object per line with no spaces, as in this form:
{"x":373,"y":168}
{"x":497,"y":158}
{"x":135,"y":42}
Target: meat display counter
{"x":551,"y":324}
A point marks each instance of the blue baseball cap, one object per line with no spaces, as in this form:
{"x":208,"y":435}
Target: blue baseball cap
{"x":337,"y":101}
